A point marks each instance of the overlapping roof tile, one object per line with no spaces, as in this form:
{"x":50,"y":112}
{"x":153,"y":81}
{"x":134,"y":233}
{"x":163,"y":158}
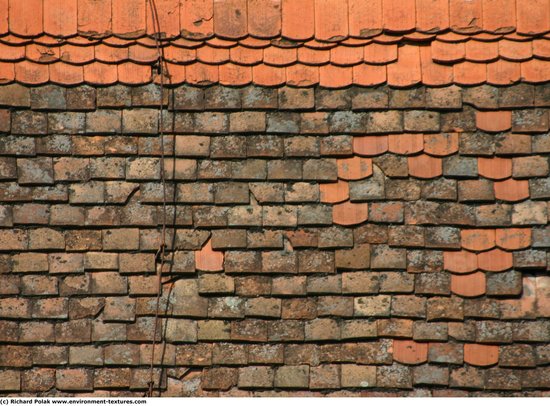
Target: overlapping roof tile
{"x":334,"y":43}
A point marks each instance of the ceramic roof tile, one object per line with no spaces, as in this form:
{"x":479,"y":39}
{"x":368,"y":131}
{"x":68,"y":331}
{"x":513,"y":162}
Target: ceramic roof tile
{"x":441,"y":144}
{"x":460,"y":261}
{"x":494,"y":121}
{"x":495,"y":260}
{"x":369,"y":75}
{"x":405,"y":144}
{"x":480,"y":354}
{"x":331,"y":19}
{"x":494,"y":167}
{"x":11,"y":53}
{"x":470,"y":285}
{"x":302,"y":75}
{"x":26,"y":17}
{"x":432,"y":15}
{"x":499,"y":15}
{"x":128,"y":17}
{"x":245,"y":56}
{"x":424,"y":166}
{"x":334,"y":192}
{"x":230,"y":18}
{"x":100,"y":73}
{"x":434,"y":74}
{"x":478,"y":51}
{"x":264,"y":18}
{"x":201,"y":74}
{"x":535,"y":71}
{"x":265,"y":75}
{"x":410,"y":352}
{"x":355,"y":168}
{"x":346,"y":56}
{"x":399,"y":15}
{"x":380,"y":53}
{"x":541,"y":48}
{"x":138,"y":53}
{"x":31,"y":73}
{"x":348,"y":213}
{"x":310,"y":56}
{"x":77,"y":54}
{"x":106,"y":53}
{"x":280,"y":56}
{"x":7,"y":72}
{"x":533,"y":17}
{"x":131,"y":73}
{"x":4,"y":13}
{"x":168,"y":14}
{"x":211,"y":55}
{"x":370,"y":145}
{"x":65,"y":74}
{"x":298,"y":22}
{"x":513,"y":238}
{"x":466,"y":15}
{"x":503,"y":72}
{"x":42,"y":54}
{"x":469,"y":73}
{"x":365,"y":17}
{"x":406,"y":71}
{"x":180,"y":55}
{"x":334,"y":76}
{"x":512,"y":190}
{"x":196,"y":18}
{"x":206,"y":259}
{"x":94,"y":17}
{"x":448,"y":51}
{"x":477,"y":240}
{"x":515,"y":50}
{"x":60,"y":17}
{"x":235,"y":75}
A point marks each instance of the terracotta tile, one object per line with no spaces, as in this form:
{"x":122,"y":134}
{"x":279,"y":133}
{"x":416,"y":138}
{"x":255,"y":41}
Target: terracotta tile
{"x":541,"y":48}
{"x":494,"y":168}
{"x":264,"y":18}
{"x":477,"y":240}
{"x":470,"y":285}
{"x":280,"y":56}
{"x":460,"y":261}
{"x":4,"y":13}
{"x":494,"y":121}
{"x":335,"y":76}
{"x":522,"y":308}
{"x":298,"y":19}
{"x":535,"y":71}
{"x":94,"y":16}
{"x":512,"y":190}
{"x":207,"y":259}
{"x":76,"y":54}
{"x":469,"y":73}
{"x":129,"y":17}
{"x":347,"y":213}
{"x":369,"y":75}
{"x":495,"y":260}
{"x":211,"y":55}
{"x":380,"y":53}
{"x":26,"y":17}
{"x":432,"y":15}
{"x":40,"y":53}
{"x":480,"y":354}
{"x":405,"y":144}
{"x":399,"y":15}
{"x":245,"y":56}
{"x":138,"y":53}
{"x":513,"y":238}
{"x":406,"y":71}
{"x":180,"y":55}
{"x":201,"y":74}
{"x":31,"y":73}
{"x":132,"y":74}
{"x":448,"y":51}
{"x":515,"y":50}
{"x":65,"y":74}
{"x":441,"y":144}
{"x":7,"y":72}
{"x":12,"y":53}
{"x":425,"y":166}
{"x":177,"y":74}
{"x":60,"y":17}
{"x":355,"y":168}
{"x":410,"y":352}
{"x":532,"y":17}
{"x":230,"y":18}
{"x":499,"y":15}
{"x":265,"y":75}
{"x":331,"y":19}
{"x":481,"y":51}
{"x":346,"y":56}
{"x":503,"y":72}
{"x":100,"y":73}
{"x":465,"y":15}
{"x":196,"y":18}
{"x":334,"y":192}
{"x":313,"y":56}
{"x":105,"y":53}
{"x":168,"y":12}
{"x":434,"y":74}
{"x":543,"y":296}
{"x":235,"y":75}
{"x":365,"y":17}
{"x":370,"y":145}
{"x":302,"y":75}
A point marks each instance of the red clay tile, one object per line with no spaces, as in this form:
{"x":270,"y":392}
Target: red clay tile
{"x":132,"y":74}
{"x":201,"y":74}
{"x":480,"y":354}
{"x":180,"y":55}
{"x":405,"y":144}
{"x":176,"y":72}
{"x":494,"y":121}
{"x":302,"y":75}
{"x":347,"y":213}
{"x":196,"y":18}
{"x":515,"y":50}
{"x":280,"y":56}
{"x":406,"y":71}
{"x":465,"y":15}
{"x":12,"y":53}
{"x":532,"y":16}
{"x":399,"y":15}
{"x":235,"y":75}
{"x":481,"y":51}
{"x":432,"y":15}
{"x":434,"y":74}
{"x":60,"y":17}
{"x":207,"y":259}
{"x":105,"y":53}
{"x":31,"y":73}
{"x":477,"y":240}
{"x":94,"y":16}
{"x":98,"y":73}
{"x":425,"y":166}
{"x":245,"y":56}
{"x":298,"y":19}
{"x":380,"y":53}
{"x":346,"y":56}
{"x":370,"y":145}
{"x":76,"y":54}
{"x":7,"y":72}
{"x":211,"y":55}
{"x":447,"y":51}
{"x":331,"y":19}
{"x":469,"y":73}
{"x":495,"y":260}
{"x":524,"y":307}
{"x":4,"y":13}
{"x":355,"y":168}
{"x":129,"y":17}
{"x":535,"y":71}
{"x":542,"y":284}
{"x":40,"y":53}
{"x":512,"y":190}
{"x":503,"y":72}
{"x":499,"y":15}
{"x":494,"y":168}
{"x":331,"y":76}
{"x":313,"y":56}
{"x":138,"y":53}
{"x":334,"y":192}
{"x":441,"y":144}
{"x":265,"y":75}
{"x":541,"y":48}
{"x":26,"y":17}
{"x":369,"y":75}
{"x":264,"y":18}
{"x":65,"y":74}
{"x":230,"y":18}
{"x":410,"y":352}
{"x":513,"y":238}
{"x":460,"y":261}
{"x":168,"y":13}
{"x":365,"y":17}
{"x":470,"y":285}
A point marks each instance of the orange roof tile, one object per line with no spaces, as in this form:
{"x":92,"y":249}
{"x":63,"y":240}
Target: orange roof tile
{"x":459,"y":261}
{"x":370,"y":145}
{"x":494,"y":121}
{"x":208,"y":260}
{"x":355,"y":168}
{"x":512,"y":190}
{"x":513,"y":238}
{"x":348,"y":213}
{"x":410,"y":352}
{"x":334,"y":192}
{"x":405,"y":144}
{"x":495,"y":260}
{"x":425,"y":166}
{"x":441,"y":144}
{"x":480,"y":354}
{"x":477,"y":240}
{"x":495,"y":167}
{"x":470,"y":285}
